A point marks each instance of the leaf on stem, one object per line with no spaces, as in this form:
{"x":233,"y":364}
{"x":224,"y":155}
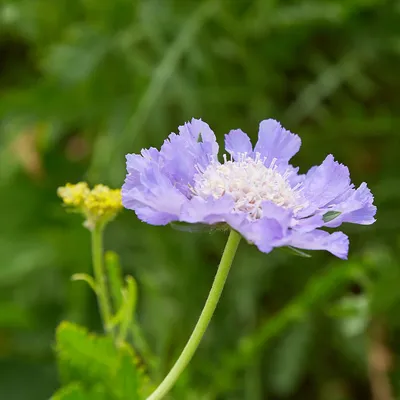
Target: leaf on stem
{"x":114,"y":274}
{"x":86,"y":278}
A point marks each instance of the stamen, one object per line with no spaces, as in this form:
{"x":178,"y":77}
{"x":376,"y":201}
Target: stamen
{"x":250,"y":182}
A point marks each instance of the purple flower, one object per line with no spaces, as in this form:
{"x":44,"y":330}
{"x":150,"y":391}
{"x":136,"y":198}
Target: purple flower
{"x":256,"y":192}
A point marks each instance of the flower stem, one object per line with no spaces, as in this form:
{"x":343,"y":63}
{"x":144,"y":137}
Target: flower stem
{"x":205,"y":317}
{"x":100,"y":276}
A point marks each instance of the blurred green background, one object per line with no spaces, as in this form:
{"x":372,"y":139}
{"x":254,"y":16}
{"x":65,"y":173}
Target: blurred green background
{"x":83,"y":82}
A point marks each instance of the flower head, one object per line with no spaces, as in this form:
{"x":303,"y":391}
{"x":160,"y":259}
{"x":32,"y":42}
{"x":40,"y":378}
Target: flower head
{"x":254,"y":191}
{"x":99,"y":205}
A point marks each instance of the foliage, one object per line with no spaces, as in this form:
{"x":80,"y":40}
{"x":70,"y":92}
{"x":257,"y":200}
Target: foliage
{"x":84,"y":82}
{"x":94,"y":364}
{"x":78,"y":392}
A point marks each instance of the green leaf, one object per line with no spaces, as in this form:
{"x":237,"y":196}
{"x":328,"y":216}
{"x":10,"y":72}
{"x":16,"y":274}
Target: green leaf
{"x":330,"y":215}
{"x":129,"y":378}
{"x":114,"y":274}
{"x":86,"y":278}
{"x":76,"y":391}
{"x":128,"y":307}
{"x":131,"y":293}
{"x":295,"y":251}
{"x":82,"y":355}
{"x":186,"y":227}
{"x":90,"y":359}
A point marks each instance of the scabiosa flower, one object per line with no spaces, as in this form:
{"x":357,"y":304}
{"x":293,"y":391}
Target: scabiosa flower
{"x":254,"y":191}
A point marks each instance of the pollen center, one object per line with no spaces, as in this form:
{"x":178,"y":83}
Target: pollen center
{"x":250,"y":182}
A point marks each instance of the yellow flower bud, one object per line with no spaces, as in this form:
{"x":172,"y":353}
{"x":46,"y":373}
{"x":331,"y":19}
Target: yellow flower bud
{"x":99,"y":205}
{"x":74,"y":195}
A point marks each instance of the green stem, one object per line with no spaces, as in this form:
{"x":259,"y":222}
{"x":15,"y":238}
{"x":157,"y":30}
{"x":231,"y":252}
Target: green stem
{"x":205,"y":317}
{"x":100,"y":276}
{"x":130,"y":295}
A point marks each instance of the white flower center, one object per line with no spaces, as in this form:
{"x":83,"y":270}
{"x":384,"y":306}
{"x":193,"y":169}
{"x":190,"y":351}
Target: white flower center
{"x":249,"y":182}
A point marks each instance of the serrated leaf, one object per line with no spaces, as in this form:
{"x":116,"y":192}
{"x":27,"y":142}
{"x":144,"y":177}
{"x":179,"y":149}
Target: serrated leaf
{"x":295,"y":251}
{"x":330,"y":215}
{"x":186,"y":227}
{"x":90,"y":359}
{"x":82,"y":355}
